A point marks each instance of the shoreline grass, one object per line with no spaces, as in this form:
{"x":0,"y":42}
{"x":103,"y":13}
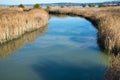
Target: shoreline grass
{"x":113,"y":72}
{"x":8,"y":48}
{"x":15,"y":22}
{"x":106,"y":20}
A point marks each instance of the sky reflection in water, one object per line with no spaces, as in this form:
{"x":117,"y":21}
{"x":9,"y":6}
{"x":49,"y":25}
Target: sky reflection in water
{"x":67,"y":51}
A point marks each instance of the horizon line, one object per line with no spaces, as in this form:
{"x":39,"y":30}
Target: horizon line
{"x":57,"y":3}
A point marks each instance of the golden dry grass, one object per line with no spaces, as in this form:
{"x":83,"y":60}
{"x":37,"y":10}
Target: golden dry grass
{"x":6,"y":49}
{"x":14,"y":22}
{"x":113,"y":72}
{"x":105,"y":19}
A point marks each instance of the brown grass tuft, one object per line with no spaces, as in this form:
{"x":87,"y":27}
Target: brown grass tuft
{"x":106,"y":20}
{"x":6,"y":49}
{"x":113,"y":72}
{"x":14,"y":22}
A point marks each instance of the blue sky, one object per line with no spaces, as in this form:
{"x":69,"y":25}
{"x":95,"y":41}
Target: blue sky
{"x":46,"y":1}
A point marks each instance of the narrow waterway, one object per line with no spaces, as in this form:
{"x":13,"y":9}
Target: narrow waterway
{"x":66,"y":49}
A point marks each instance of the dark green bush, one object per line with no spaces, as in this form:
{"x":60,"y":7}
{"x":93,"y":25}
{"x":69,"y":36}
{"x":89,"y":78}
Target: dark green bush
{"x":11,"y":6}
{"x":36,"y":6}
{"x":21,"y":5}
{"x":48,"y":7}
{"x":101,"y":5}
{"x":83,"y":5}
{"x":62,"y":6}
{"x":91,"y":5}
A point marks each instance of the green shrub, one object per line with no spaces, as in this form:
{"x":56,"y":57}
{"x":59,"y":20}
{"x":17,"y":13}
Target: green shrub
{"x":83,"y":5}
{"x":11,"y":6}
{"x":21,"y":5}
{"x":101,"y":5}
{"x":48,"y":7}
{"x":36,"y":6}
{"x":91,"y":5}
{"x":62,"y":6}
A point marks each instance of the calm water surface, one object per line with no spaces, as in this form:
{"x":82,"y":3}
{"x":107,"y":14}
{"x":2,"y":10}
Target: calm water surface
{"x":65,"y":50}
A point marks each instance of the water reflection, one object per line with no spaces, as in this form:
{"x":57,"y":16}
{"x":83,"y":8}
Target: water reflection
{"x":59,"y":16}
{"x":74,"y":54}
{"x":67,"y":51}
{"x":10,"y":47}
{"x":52,"y":70}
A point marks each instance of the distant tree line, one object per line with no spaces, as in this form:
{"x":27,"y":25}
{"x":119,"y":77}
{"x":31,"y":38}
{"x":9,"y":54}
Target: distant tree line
{"x":37,"y":6}
{"x":93,"y":5}
{"x":22,"y":6}
{"x":48,"y":7}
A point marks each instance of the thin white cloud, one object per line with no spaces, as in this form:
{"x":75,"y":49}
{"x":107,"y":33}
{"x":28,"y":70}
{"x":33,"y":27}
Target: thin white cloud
{"x":46,"y":1}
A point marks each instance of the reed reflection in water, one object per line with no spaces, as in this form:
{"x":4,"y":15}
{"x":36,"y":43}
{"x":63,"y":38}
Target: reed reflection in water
{"x":10,"y":47}
{"x":62,"y":53}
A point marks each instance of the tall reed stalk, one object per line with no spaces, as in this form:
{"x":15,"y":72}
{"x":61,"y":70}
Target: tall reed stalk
{"x":14,"y":22}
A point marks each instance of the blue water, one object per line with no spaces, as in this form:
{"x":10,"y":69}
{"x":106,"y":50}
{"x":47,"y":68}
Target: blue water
{"x":65,"y":50}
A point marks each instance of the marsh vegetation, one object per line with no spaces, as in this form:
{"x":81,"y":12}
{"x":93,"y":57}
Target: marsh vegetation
{"x":106,"y":20}
{"x":61,"y":53}
{"x":14,"y":22}
{"x":10,"y":47}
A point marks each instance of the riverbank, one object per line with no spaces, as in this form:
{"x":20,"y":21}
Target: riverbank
{"x":10,"y":47}
{"x":113,"y":72}
{"x":106,"y":20}
{"x":14,"y":22}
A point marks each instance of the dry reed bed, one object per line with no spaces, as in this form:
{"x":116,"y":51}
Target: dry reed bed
{"x":6,"y":49}
{"x":107,"y":21}
{"x":14,"y":22}
{"x":113,"y":72}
